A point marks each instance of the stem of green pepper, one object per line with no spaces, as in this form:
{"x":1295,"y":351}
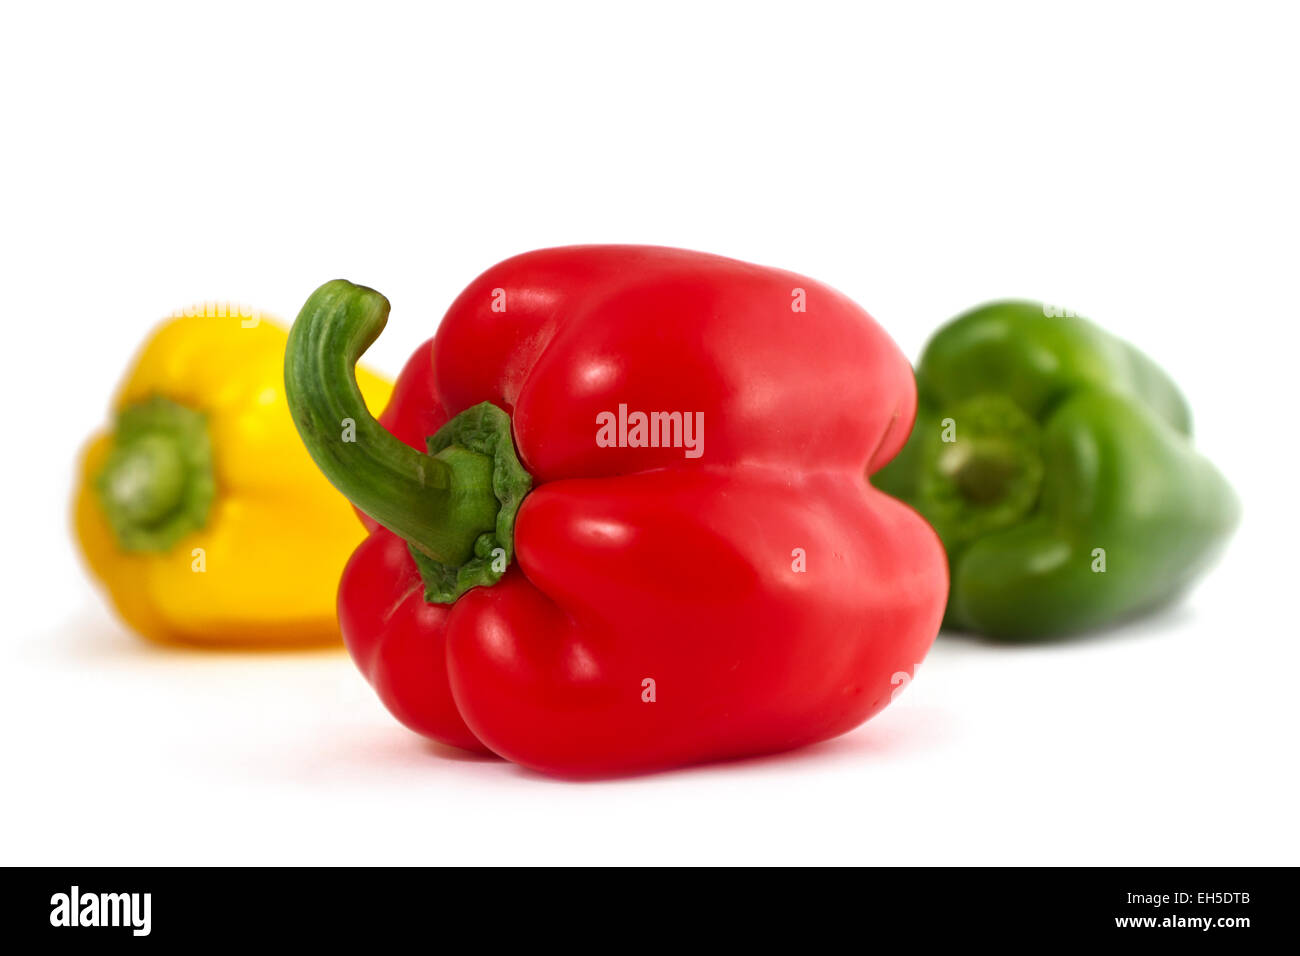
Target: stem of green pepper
{"x":440,"y":504}
{"x":986,"y":479}
{"x":982,"y":473}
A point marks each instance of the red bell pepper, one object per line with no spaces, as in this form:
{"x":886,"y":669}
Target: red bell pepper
{"x":711,"y":581}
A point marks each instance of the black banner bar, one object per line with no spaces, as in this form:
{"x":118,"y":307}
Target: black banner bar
{"x":332,"y":906}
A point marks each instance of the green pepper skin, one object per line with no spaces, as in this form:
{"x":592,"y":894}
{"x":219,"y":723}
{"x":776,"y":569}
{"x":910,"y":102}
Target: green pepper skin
{"x":1056,"y":463}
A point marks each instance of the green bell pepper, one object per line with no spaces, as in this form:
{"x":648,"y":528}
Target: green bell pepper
{"x":1055,"y":461}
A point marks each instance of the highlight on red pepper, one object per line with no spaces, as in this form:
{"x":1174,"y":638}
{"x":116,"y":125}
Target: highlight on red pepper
{"x":619,"y":511}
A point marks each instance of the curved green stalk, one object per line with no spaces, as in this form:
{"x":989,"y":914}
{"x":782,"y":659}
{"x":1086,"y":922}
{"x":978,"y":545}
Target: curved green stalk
{"x":455,"y":506}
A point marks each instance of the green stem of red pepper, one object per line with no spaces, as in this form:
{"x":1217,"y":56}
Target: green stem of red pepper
{"x":454,"y":506}
{"x":440,"y":505}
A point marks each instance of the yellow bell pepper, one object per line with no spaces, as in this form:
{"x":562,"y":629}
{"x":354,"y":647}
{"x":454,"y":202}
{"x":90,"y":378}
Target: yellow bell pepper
{"x":201,"y":512}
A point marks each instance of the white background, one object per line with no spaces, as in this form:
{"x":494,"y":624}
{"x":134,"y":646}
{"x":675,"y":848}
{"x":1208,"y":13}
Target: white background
{"x":1137,"y":163}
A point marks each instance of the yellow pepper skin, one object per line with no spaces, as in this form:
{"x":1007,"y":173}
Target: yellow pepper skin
{"x":259,"y":565}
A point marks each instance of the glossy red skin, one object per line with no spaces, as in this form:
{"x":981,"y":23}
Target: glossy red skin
{"x":637,"y":563}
